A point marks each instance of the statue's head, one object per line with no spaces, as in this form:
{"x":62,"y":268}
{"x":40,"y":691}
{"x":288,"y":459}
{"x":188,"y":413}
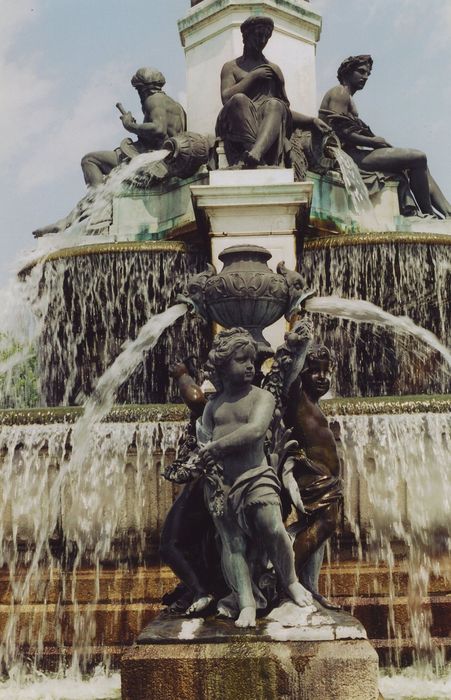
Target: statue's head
{"x":232,"y":357}
{"x":315,"y":375}
{"x":362,"y":64}
{"x":257,"y":30}
{"x":148,"y":79}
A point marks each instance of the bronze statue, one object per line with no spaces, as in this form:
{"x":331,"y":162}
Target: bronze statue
{"x":235,"y":422}
{"x":317,"y":465}
{"x":187,"y":539}
{"x":373,"y":153}
{"x":256,"y":122}
{"x":163,"y":118}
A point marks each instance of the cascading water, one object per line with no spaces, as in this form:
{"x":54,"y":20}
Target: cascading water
{"x":357,"y":191}
{"x":83,"y":498}
{"x":103,"y":509}
{"x":401,"y":466}
{"x":95,"y":304}
{"x":386,"y":273}
{"x":362,"y":311}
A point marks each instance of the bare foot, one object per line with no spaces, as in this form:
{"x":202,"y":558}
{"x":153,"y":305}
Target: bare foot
{"x":52,"y":228}
{"x":246,"y":618}
{"x":199,"y":604}
{"x":252,"y":159}
{"x":324,"y":602}
{"x":300,"y":595}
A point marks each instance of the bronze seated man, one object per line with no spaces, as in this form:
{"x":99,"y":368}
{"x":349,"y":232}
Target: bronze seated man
{"x":163,"y":118}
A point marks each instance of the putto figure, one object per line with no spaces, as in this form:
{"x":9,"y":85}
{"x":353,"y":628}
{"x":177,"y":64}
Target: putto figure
{"x":373,"y":153}
{"x":317,"y":467}
{"x":163,"y":118}
{"x":235,"y":422}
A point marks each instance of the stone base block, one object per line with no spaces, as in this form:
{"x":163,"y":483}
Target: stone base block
{"x":251,"y":670}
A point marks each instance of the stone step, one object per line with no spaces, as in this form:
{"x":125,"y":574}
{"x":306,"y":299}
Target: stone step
{"x":147,"y":584}
{"x":377,"y":614}
{"x":390,"y":652}
{"x":108,"y":623}
{"x":120,"y":623}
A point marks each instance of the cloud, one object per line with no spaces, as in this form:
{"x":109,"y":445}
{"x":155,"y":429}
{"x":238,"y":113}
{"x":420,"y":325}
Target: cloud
{"x":47,"y":131}
{"x":24,"y":109}
{"x":14,"y":14}
{"x":89,"y":122}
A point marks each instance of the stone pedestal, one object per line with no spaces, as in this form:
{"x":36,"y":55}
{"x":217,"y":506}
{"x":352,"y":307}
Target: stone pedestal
{"x":142,"y":215}
{"x":254,"y":207}
{"x":326,"y":657}
{"x":332,"y":212}
{"x":210,"y":34}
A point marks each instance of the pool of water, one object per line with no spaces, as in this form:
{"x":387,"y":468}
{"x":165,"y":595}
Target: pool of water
{"x":406,"y":685}
{"x":414,"y":684}
{"x":100,"y":686}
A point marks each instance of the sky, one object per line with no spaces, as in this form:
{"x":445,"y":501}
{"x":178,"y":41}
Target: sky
{"x":65,"y":63}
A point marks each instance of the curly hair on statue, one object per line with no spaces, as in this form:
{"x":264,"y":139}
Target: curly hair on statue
{"x":225,"y":345}
{"x":351,"y":63}
{"x":318,"y":353}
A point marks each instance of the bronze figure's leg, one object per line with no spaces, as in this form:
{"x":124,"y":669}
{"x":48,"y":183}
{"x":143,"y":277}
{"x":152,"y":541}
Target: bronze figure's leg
{"x":397,"y":160}
{"x":97,"y":164}
{"x":320,"y":526}
{"x":269,"y":527}
{"x":273,"y":113}
{"x":180,"y":531}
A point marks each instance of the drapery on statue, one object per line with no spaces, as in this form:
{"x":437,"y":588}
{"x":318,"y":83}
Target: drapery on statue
{"x":256,"y":122}
{"x":373,"y":154}
{"x":163,"y":118}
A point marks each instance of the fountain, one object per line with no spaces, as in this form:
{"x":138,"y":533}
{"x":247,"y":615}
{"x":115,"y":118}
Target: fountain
{"x":93,"y":416}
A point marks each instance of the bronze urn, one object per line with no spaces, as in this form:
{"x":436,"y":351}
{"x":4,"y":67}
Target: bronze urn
{"x":246,"y":292}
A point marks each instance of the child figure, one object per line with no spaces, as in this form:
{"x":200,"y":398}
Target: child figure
{"x":317,"y":469}
{"x":236,"y":420}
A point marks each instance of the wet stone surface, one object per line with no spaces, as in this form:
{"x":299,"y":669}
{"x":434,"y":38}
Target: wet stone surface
{"x":288,"y":622}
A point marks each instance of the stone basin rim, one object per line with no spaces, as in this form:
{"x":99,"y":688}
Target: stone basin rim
{"x":170,"y":413}
{"x":107,"y":248}
{"x":375,"y":238}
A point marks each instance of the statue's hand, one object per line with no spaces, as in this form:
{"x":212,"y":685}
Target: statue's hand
{"x":263,"y":73}
{"x":321,"y":126}
{"x":210,"y":454}
{"x":303,"y":329}
{"x":128,"y":120}
{"x":380,"y":142}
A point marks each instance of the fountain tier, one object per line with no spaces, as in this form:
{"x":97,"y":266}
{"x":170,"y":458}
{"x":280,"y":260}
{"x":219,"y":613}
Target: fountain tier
{"x":404,"y":274}
{"x":93,"y":299}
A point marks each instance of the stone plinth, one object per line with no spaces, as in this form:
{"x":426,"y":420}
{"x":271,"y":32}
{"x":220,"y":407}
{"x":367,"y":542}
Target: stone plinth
{"x":263,"y":207}
{"x":211,"y":36}
{"x":214,"y":660}
{"x":141,"y":215}
{"x":253,"y":207}
{"x":331,"y":210}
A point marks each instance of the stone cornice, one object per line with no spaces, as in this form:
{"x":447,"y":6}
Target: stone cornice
{"x":287,"y":9}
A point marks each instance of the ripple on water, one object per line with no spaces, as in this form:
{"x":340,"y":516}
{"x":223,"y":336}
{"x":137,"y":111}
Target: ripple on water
{"x":100,"y":686}
{"x":409,"y":684}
